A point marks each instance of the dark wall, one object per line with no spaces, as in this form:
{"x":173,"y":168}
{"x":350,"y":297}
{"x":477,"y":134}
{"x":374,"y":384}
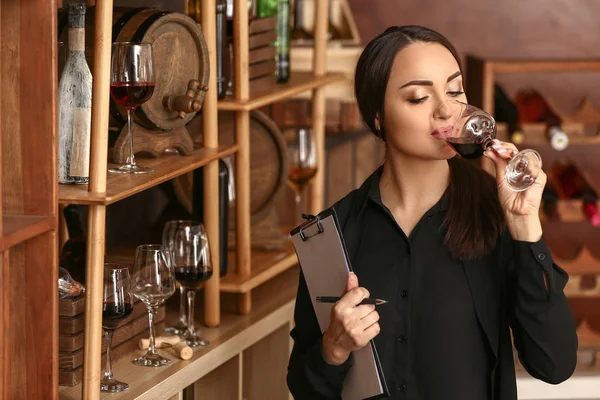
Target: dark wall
{"x":505,"y":29}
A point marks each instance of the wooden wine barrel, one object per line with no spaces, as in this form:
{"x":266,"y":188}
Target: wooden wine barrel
{"x":268,"y":160}
{"x":179,"y":55}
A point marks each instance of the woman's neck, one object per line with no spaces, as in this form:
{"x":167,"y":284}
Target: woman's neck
{"x":410,"y":185}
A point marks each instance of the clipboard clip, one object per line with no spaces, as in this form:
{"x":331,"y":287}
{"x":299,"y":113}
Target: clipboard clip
{"x":310,"y":221}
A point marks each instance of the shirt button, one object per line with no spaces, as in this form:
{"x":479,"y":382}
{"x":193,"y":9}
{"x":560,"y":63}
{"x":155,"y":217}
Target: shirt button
{"x":402,"y":339}
{"x":541,"y":256}
{"x":403,"y":294}
{"x":401,"y":387}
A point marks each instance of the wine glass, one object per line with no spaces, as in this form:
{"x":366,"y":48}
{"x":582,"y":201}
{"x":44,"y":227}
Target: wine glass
{"x":302,"y":156}
{"x":167,"y":240}
{"x":191,"y":257}
{"x":470,"y":132}
{"x":153,"y":282}
{"x":117,"y":306}
{"x":131,"y":84}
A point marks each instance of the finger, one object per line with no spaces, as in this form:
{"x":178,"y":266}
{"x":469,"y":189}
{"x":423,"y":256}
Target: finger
{"x":363,"y":310}
{"x":371,"y":331}
{"x":503,"y":149}
{"x":369,"y":319}
{"x":352,"y":282}
{"x":353,"y":297}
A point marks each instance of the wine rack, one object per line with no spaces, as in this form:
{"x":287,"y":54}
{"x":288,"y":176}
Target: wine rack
{"x":572,"y":240}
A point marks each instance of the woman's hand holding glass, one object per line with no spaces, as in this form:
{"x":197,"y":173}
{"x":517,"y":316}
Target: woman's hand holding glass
{"x":351,"y":327}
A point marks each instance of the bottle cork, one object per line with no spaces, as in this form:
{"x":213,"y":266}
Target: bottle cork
{"x":183,"y":351}
{"x":160,"y":341}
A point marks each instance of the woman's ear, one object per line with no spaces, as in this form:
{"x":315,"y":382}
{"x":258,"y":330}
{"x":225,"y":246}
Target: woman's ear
{"x":377,"y":122}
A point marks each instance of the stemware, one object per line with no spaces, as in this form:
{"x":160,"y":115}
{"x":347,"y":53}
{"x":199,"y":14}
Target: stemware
{"x":470,"y":132}
{"x":191,"y":258}
{"x":302,"y":156}
{"x":153,"y":282}
{"x":117,"y":306}
{"x":131,"y":84}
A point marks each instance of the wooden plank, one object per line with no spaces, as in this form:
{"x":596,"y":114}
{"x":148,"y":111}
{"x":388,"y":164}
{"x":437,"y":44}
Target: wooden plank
{"x":265,"y":366}
{"x":75,"y":324}
{"x":528,"y":66}
{"x":273,"y":306}
{"x":222,"y":383}
{"x":299,"y":82}
{"x":120,"y":186}
{"x":20,"y":228}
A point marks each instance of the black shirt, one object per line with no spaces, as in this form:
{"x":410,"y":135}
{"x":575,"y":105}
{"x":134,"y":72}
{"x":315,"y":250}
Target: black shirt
{"x":433,"y":343}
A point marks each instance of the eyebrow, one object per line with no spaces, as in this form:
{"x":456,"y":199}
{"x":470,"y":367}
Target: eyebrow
{"x":429,"y":83}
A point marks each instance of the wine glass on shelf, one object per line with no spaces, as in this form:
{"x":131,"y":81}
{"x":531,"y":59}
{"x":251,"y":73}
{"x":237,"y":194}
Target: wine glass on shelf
{"x":153,"y":282}
{"x":117,"y":306}
{"x":180,"y":327}
{"x":191,"y":258}
{"x":302,"y":156}
{"x":131,"y":84}
{"x":470,"y":132}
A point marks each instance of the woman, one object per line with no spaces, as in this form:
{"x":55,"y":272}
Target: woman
{"x":459,"y":256}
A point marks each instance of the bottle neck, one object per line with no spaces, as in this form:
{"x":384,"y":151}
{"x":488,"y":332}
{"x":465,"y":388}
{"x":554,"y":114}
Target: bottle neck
{"x":76,"y":40}
{"x":73,"y":222}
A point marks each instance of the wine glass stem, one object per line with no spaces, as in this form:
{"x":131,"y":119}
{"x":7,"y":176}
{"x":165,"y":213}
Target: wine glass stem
{"x":191,"y":295}
{"x":108,"y":334}
{"x":297,"y":213}
{"x":151,"y":345}
{"x":182,"y":300}
{"x":130,"y":128}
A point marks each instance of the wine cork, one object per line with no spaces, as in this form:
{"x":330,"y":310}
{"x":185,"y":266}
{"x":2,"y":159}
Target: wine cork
{"x":183,"y":351}
{"x":160,"y":341}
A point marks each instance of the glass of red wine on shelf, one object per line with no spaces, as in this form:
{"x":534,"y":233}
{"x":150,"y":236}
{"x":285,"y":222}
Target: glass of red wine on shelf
{"x":117,"y":306}
{"x":131,"y":84}
{"x":470,"y":132}
{"x":191,"y":257}
{"x":153,"y":282}
{"x":302,"y":156}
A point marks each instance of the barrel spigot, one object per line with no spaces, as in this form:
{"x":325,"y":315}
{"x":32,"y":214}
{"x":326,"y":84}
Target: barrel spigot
{"x":190,"y":102}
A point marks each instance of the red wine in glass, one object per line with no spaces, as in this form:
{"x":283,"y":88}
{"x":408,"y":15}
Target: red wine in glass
{"x":113,"y":314}
{"x":466,"y":148}
{"x":299,"y":177}
{"x":190,"y":277}
{"x":131,"y":94}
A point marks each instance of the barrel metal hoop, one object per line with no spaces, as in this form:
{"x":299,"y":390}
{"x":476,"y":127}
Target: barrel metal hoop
{"x":143,"y":28}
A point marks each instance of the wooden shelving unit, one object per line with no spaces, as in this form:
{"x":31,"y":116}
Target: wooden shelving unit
{"x":28,"y":176}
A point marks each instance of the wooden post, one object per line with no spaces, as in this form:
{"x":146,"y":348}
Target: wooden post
{"x":97,"y":214}
{"x":210,"y":115}
{"x":242,"y":131}
{"x":318,"y":104}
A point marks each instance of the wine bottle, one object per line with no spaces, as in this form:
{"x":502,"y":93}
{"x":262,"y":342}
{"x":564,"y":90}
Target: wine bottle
{"x":506,"y":111}
{"x":283,"y":41}
{"x":573,"y":185}
{"x":75,"y":105}
{"x":550,"y":201}
{"x":222,"y":49}
{"x":533,"y":108}
{"x":74,"y":250}
{"x":298,"y":32}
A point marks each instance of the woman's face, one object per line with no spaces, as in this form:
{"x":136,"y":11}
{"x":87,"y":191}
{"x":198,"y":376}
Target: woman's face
{"x":423,"y":77}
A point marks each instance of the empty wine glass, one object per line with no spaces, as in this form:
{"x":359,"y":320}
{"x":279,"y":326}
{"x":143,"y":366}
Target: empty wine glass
{"x":117,"y":306}
{"x":153,"y":282}
{"x":302,"y":156}
{"x":191,"y":257}
{"x":168,"y":234}
{"x":470,"y":132}
{"x":131,"y":84}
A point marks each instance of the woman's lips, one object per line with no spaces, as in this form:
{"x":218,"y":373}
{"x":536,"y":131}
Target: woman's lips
{"x":442,"y":133}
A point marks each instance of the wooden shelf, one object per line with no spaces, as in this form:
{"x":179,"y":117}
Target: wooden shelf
{"x":120,"y":186}
{"x":273,"y":306}
{"x":264,"y":265}
{"x":298,"y":83}
{"x":19,"y":228}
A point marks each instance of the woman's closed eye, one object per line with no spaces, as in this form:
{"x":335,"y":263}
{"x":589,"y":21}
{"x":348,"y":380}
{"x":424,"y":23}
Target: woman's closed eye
{"x":455,"y":93}
{"x":419,"y":100}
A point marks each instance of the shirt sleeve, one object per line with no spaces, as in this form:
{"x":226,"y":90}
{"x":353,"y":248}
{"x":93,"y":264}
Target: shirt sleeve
{"x":309,"y":375}
{"x":543,"y":326}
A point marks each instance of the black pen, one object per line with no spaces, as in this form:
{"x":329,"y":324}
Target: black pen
{"x":332,"y":299}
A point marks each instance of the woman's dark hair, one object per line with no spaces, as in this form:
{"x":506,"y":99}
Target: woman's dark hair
{"x":474,"y":220}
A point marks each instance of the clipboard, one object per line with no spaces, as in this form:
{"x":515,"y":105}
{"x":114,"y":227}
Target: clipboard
{"x":324,"y":260}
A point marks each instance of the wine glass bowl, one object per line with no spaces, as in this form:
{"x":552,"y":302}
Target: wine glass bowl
{"x":470,"y":131}
{"x":153,"y":282}
{"x":131,"y":84}
{"x":117,"y":306}
{"x":302,"y":159}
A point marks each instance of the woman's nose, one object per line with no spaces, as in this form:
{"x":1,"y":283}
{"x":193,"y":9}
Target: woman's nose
{"x":444,"y":110}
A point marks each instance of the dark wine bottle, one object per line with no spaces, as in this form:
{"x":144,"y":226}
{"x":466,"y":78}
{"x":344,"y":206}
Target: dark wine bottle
{"x":506,"y":111}
{"x":283,"y":41}
{"x":222,"y":49}
{"x":534,"y":108}
{"x":74,"y":250}
{"x":550,"y":201}
{"x":299,"y":32}
{"x":198,"y":208}
{"x":572,"y":184}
